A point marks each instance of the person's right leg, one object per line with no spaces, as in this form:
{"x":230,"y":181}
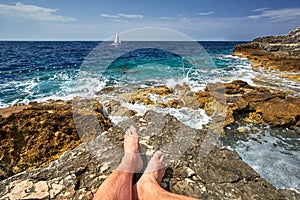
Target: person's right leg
{"x":148,"y":186}
{"x":119,"y":184}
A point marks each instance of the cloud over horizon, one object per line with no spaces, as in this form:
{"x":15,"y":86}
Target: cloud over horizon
{"x":205,"y":13}
{"x":121,"y":15}
{"x":33,"y":12}
{"x":285,"y":14}
{"x":96,"y":20}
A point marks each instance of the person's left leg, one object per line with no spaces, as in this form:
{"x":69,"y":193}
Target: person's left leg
{"x":148,"y":188}
{"x":119,"y":184}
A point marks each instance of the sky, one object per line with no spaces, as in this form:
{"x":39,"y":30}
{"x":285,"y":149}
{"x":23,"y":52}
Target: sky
{"x":100,"y":19}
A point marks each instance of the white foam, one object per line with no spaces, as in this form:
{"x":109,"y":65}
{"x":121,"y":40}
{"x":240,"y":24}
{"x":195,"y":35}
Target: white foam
{"x":139,"y":108}
{"x":117,"y":119}
{"x":267,"y":155}
{"x":190,"y":117}
{"x":229,"y":57}
{"x":171,"y":83}
{"x":86,"y":87}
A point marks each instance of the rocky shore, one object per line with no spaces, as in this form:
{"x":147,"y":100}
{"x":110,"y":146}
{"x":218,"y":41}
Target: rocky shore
{"x":52,"y":150}
{"x":280,"y":53}
{"x":66,"y":149}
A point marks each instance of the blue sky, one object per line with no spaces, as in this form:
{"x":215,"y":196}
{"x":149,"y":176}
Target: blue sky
{"x":100,"y":19}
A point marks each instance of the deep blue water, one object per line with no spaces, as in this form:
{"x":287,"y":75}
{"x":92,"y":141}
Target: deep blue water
{"x":33,"y":70}
{"x":36,"y":70}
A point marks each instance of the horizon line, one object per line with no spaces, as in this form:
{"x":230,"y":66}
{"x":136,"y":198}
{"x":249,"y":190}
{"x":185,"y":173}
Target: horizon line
{"x":96,"y":40}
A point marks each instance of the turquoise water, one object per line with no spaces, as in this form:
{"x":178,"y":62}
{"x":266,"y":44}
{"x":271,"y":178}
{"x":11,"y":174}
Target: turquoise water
{"x":37,"y":71}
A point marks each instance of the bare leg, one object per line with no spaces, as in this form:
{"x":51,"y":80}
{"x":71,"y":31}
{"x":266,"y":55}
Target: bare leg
{"x":119,"y":184}
{"x":148,"y":186}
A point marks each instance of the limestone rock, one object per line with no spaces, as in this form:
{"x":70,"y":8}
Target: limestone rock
{"x":225,"y":103}
{"x":144,"y":95}
{"x":217,"y":174}
{"x":268,"y":109}
{"x":273,"y":52}
{"x":238,"y":100}
{"x":39,"y":134}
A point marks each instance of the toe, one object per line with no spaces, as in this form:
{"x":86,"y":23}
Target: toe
{"x":161,"y":157}
{"x":133,"y":130}
{"x":127,"y":133}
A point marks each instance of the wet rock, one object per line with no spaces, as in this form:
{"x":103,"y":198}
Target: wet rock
{"x":237,"y":87}
{"x":145,"y":95}
{"x":186,"y":97}
{"x":273,"y":52}
{"x":114,"y":108}
{"x":238,"y":100}
{"x":290,"y":194}
{"x":268,"y":109}
{"x":174,"y":103}
{"x":225,"y":103}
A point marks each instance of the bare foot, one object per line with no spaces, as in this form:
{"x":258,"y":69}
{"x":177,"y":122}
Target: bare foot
{"x":132,"y":161}
{"x":156,"y":168}
{"x":151,"y":178}
{"x":148,"y":188}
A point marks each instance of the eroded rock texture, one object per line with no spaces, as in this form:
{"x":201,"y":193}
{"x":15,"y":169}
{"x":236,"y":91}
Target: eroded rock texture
{"x":273,"y":52}
{"x":33,"y":135}
{"x":210,"y":173}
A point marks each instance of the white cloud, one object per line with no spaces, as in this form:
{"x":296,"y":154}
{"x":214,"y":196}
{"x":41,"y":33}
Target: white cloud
{"x":286,"y":14}
{"x":205,"y":13}
{"x":33,"y":12}
{"x":117,"y":20}
{"x":166,"y":18}
{"x":121,"y":15}
{"x":109,"y":16}
{"x":130,"y":15}
{"x":260,"y":9}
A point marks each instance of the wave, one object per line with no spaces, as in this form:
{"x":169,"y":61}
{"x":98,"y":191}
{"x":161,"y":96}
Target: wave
{"x":272,"y":152}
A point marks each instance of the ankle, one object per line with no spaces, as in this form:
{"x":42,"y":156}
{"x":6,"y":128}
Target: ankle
{"x":148,"y":188}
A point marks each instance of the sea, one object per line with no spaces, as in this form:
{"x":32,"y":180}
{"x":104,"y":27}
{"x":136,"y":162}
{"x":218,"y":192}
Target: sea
{"x":43,"y":70}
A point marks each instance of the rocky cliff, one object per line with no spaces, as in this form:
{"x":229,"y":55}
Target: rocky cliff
{"x":273,"y":52}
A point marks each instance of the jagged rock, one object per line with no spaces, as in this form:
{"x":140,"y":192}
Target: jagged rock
{"x":144,"y":95}
{"x":174,"y":103}
{"x":34,"y":135}
{"x":207,"y":173}
{"x":186,"y":97}
{"x":273,"y":52}
{"x":250,"y":104}
{"x":268,"y":109}
{"x":115,"y":108}
{"x":224,"y":103}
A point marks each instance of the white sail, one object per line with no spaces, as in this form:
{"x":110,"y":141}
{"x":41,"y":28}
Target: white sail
{"x":117,"y":40}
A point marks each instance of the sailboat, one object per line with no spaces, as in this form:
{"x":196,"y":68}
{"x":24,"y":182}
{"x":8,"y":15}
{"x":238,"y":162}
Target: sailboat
{"x":117,"y":40}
